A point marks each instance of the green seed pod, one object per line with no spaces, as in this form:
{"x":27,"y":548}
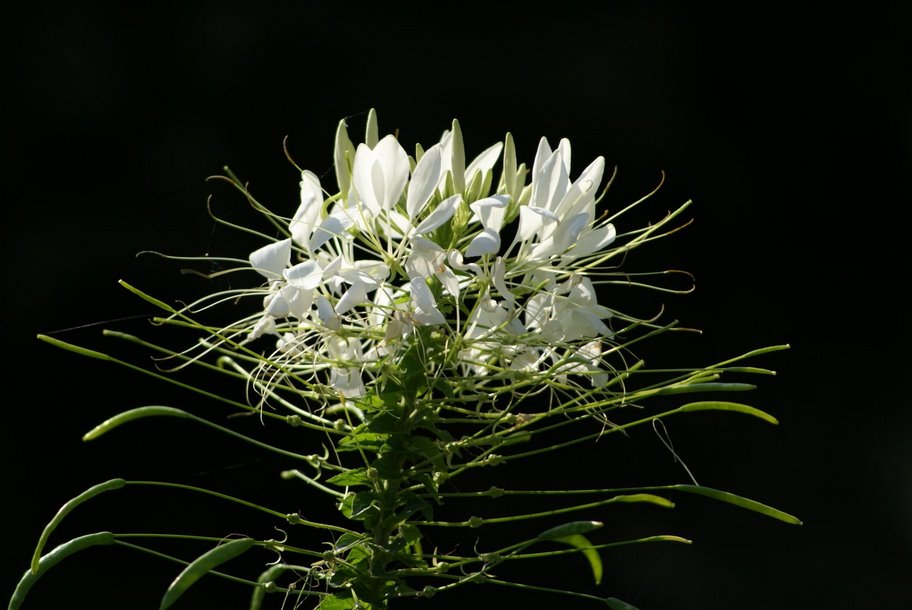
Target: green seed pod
{"x":201,"y":566}
{"x":570,"y":529}
{"x":65,"y":509}
{"x":54,"y":557}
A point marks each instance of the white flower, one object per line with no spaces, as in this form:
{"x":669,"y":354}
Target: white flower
{"x":386,"y":257}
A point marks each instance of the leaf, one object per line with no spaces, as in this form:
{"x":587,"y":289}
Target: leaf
{"x":354,"y":476}
{"x":54,"y":557}
{"x":336,"y":602}
{"x":753,"y":505}
{"x":718,"y":405}
{"x":127,"y":416}
{"x":370,"y":441}
{"x":201,"y":566}
{"x":65,"y":510}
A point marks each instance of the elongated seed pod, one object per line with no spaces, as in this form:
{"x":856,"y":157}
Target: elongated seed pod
{"x":65,"y":509}
{"x":54,"y":557}
{"x":201,"y":566}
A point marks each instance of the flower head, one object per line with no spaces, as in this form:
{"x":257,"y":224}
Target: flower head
{"x":493,"y":279}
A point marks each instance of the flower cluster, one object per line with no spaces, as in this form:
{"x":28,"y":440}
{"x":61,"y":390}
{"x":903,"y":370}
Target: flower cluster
{"x":429,"y":248}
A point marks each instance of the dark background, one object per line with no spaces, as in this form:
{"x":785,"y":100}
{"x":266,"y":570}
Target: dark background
{"x":790,"y":128}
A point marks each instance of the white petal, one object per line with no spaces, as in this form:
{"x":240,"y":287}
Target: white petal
{"x":363,"y":178}
{"x":593,"y":241}
{"x":271,"y":259}
{"x":431,"y":318}
{"x":454,"y":257}
{"x":581,"y":195}
{"x":393,"y":163}
{"x":542,"y":153}
{"x":381,"y":311}
{"x":307,"y":215}
{"x":425,"y":306}
{"x":491,"y":211}
{"x":265,"y":326}
{"x":500,"y":284}
{"x":538,"y":308}
{"x":568,"y":231}
{"x":422,"y":261}
{"x":484,"y":162}
{"x":486,"y":242}
{"x":564,"y":148}
{"x":441,"y":214}
{"x":531,"y":220}
{"x":347,"y":382}
{"x":277,"y":307}
{"x":424,"y":182}
{"x":307,"y":275}
{"x":299,"y":301}
{"x":354,"y":296}
{"x":449,"y":280}
{"x":327,"y":316}
{"x":550,"y":185}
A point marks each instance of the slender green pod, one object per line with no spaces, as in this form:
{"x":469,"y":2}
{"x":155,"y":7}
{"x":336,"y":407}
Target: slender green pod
{"x":264,"y":583}
{"x":54,"y":557}
{"x":573,"y":528}
{"x":721,"y":405}
{"x":201,"y":566}
{"x":740,"y":501}
{"x":138,"y":413}
{"x":74,"y":348}
{"x":65,"y":510}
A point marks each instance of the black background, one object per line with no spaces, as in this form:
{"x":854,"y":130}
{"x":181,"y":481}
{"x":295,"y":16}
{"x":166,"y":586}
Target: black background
{"x":790,"y":128}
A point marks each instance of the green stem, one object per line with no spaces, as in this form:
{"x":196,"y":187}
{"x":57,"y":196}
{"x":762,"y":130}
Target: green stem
{"x":292,"y":518}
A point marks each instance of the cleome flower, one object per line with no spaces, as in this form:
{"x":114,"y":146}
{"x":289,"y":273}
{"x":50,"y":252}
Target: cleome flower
{"x":492,"y":280}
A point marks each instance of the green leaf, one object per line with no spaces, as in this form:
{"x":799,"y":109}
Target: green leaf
{"x":54,"y":557}
{"x":127,"y":416}
{"x":201,"y":566}
{"x":741,"y":501}
{"x":364,"y":440}
{"x":337,"y":601}
{"x":65,"y":510}
{"x":580,"y":542}
{"x":718,"y":405}
{"x":354,"y":476}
